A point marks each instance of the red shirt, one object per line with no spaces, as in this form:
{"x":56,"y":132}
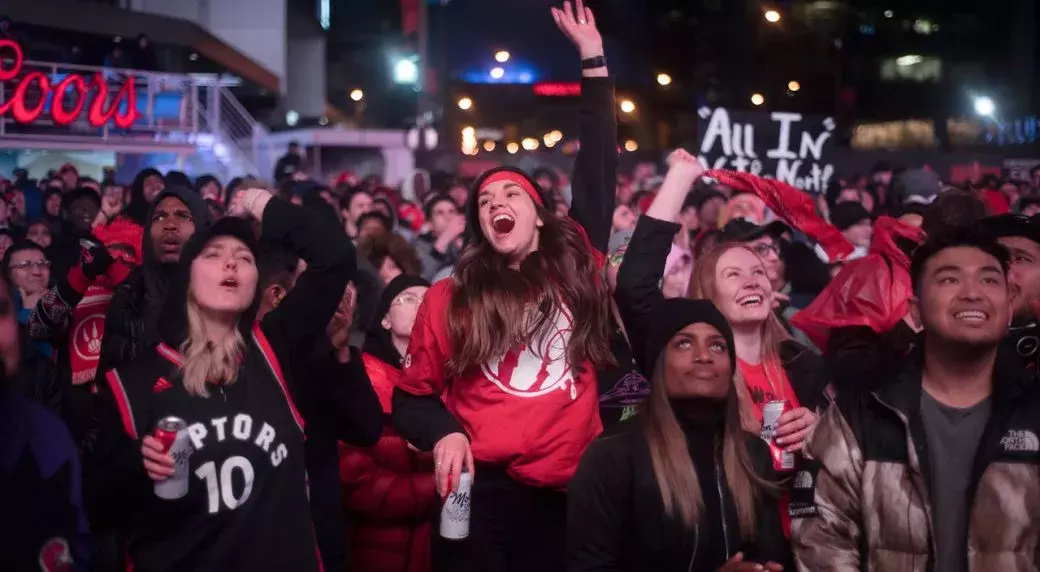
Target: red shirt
{"x":528,"y":410}
{"x":761,"y":391}
{"x":996,"y":202}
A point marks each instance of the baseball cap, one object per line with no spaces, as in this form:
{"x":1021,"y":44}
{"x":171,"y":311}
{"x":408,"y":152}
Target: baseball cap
{"x":741,"y":230}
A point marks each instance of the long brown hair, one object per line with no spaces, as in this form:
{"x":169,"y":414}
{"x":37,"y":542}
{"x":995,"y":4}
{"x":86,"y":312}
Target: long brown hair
{"x":673,"y":467}
{"x":702,"y":286}
{"x":489,"y":305}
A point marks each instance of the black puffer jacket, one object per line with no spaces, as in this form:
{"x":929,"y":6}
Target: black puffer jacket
{"x":133,"y":314}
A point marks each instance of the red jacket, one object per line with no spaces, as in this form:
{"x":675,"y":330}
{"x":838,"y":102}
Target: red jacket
{"x":528,"y":410}
{"x":388,"y":493}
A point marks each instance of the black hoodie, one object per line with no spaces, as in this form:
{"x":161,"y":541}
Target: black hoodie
{"x":139,"y":210}
{"x":246,"y":506}
{"x":131,"y":324}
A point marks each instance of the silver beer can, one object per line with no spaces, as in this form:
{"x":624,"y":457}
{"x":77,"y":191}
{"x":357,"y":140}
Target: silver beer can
{"x":172,"y":432}
{"x":455,"y":512}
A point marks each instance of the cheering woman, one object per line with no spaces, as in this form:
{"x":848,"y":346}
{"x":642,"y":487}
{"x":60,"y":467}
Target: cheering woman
{"x":512,"y":340}
{"x":246,"y":506}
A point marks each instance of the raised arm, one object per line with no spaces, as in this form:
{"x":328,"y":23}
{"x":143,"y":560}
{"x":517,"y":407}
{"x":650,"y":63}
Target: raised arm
{"x":639,"y":278}
{"x":595,"y":168}
{"x":301,"y":319}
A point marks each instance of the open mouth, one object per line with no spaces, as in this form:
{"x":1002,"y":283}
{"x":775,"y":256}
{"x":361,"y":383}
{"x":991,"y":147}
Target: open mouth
{"x":503,"y":223}
{"x":229,"y":283}
{"x":971,"y":316}
{"x":751,"y":300}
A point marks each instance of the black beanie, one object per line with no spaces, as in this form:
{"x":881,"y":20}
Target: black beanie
{"x":672,"y":315}
{"x":393,"y":290}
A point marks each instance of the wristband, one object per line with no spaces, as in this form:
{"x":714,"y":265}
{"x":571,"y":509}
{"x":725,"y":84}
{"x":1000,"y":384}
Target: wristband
{"x":594,"y":62}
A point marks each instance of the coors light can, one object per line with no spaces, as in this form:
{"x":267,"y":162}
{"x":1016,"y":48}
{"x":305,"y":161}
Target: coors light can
{"x":455,"y":512}
{"x":782,"y":460}
{"x":172,"y":432}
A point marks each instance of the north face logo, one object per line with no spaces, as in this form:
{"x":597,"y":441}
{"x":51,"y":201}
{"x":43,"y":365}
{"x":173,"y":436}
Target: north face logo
{"x":803,"y":480}
{"x":1020,"y":441}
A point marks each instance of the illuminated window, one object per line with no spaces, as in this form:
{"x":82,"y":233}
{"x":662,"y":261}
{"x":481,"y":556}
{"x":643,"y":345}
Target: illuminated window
{"x":324,"y":13}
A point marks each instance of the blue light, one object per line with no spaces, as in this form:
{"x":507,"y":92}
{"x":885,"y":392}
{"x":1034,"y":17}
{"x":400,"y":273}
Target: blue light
{"x":514,"y":74}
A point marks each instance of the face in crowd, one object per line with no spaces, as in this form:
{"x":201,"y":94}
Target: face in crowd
{"x":360,"y":204}
{"x":83,"y":211}
{"x":1023,"y":276}
{"x":442,"y":215}
{"x":403,"y":309}
{"x":53,"y":204}
{"x":509,"y":219}
{"x":18,"y":202}
{"x":6,"y":240}
{"x":224,"y":277}
{"x":624,"y":219}
{"x":768,"y":249}
{"x":962,"y":297}
{"x":30,"y":270}
{"x":743,"y":292}
{"x":696,"y":363}
{"x":39,"y":233}
{"x":172,"y":226}
{"x":152,"y":186}
{"x":860,"y":234}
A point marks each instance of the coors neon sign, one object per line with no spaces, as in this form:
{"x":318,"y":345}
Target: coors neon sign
{"x":67,"y":97}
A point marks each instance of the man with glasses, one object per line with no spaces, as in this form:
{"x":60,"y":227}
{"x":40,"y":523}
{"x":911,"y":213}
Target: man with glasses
{"x":1020,"y":235}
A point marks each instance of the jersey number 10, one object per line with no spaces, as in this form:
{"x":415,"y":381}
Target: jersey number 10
{"x":219,"y":487}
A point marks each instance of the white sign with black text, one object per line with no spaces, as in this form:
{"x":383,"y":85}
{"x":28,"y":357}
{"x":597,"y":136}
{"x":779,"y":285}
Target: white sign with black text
{"x":796,"y":148}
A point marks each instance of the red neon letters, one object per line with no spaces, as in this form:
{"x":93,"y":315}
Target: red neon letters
{"x":97,"y":115}
{"x":558,"y":89}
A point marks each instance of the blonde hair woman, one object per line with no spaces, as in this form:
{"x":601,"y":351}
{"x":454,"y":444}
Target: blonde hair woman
{"x":227,"y":378}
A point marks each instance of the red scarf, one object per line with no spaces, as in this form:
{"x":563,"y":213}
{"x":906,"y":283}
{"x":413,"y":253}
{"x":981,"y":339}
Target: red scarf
{"x":87,"y":326}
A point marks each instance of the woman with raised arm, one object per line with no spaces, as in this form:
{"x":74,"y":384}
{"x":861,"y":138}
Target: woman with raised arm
{"x":226,"y":377}
{"x":512,"y":341}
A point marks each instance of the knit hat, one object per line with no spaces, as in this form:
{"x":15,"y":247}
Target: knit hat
{"x":670,"y":316}
{"x":741,"y":230}
{"x":377,"y":339}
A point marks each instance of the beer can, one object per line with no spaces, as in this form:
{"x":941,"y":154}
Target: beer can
{"x":770,"y":415}
{"x":172,"y":432}
{"x":455,"y":512}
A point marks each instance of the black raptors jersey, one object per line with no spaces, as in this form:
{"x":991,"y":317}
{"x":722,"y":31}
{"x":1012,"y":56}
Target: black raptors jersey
{"x":246,"y":507}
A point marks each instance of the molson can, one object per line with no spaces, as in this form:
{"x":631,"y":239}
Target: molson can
{"x":172,"y":432}
{"x":455,"y":512}
{"x":782,"y":460}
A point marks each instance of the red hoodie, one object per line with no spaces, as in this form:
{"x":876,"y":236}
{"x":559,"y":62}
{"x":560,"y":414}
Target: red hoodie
{"x":535,"y":415}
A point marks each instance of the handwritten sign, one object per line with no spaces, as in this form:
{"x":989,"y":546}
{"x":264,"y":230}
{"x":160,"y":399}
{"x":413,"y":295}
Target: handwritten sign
{"x":33,"y":94}
{"x":786,"y":146}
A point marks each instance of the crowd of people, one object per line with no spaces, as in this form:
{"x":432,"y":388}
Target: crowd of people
{"x":697,"y":371}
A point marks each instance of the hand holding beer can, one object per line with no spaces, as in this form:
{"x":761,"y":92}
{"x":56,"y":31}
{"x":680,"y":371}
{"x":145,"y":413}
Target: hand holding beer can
{"x":455,"y":512}
{"x":782,"y":460}
{"x":172,"y":432}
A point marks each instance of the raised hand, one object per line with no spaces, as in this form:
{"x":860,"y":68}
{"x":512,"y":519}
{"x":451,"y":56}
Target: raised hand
{"x":580,"y":28}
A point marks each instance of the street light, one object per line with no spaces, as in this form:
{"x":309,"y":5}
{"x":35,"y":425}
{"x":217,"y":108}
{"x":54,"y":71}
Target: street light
{"x":489,"y":145}
{"x":357,"y":95}
{"x":497,"y":72}
{"x":627,"y":106}
{"x":502,"y":56}
{"x":772,"y":16}
{"x":664,"y":79}
{"x":512,"y":148}
{"x":465,"y":103}
{"x":469,"y":133}
{"x":530,"y":143}
{"x":406,"y":71}
{"x":793,"y":85}
{"x":631,"y":145}
{"x":757,"y":99}
{"x":985,"y":107}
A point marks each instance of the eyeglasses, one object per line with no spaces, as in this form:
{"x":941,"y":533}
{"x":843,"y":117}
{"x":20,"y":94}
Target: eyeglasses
{"x":407,"y":300}
{"x":31,"y":264}
{"x":763,"y":249}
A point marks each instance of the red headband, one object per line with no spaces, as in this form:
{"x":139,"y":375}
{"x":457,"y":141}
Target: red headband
{"x":513,"y":177}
